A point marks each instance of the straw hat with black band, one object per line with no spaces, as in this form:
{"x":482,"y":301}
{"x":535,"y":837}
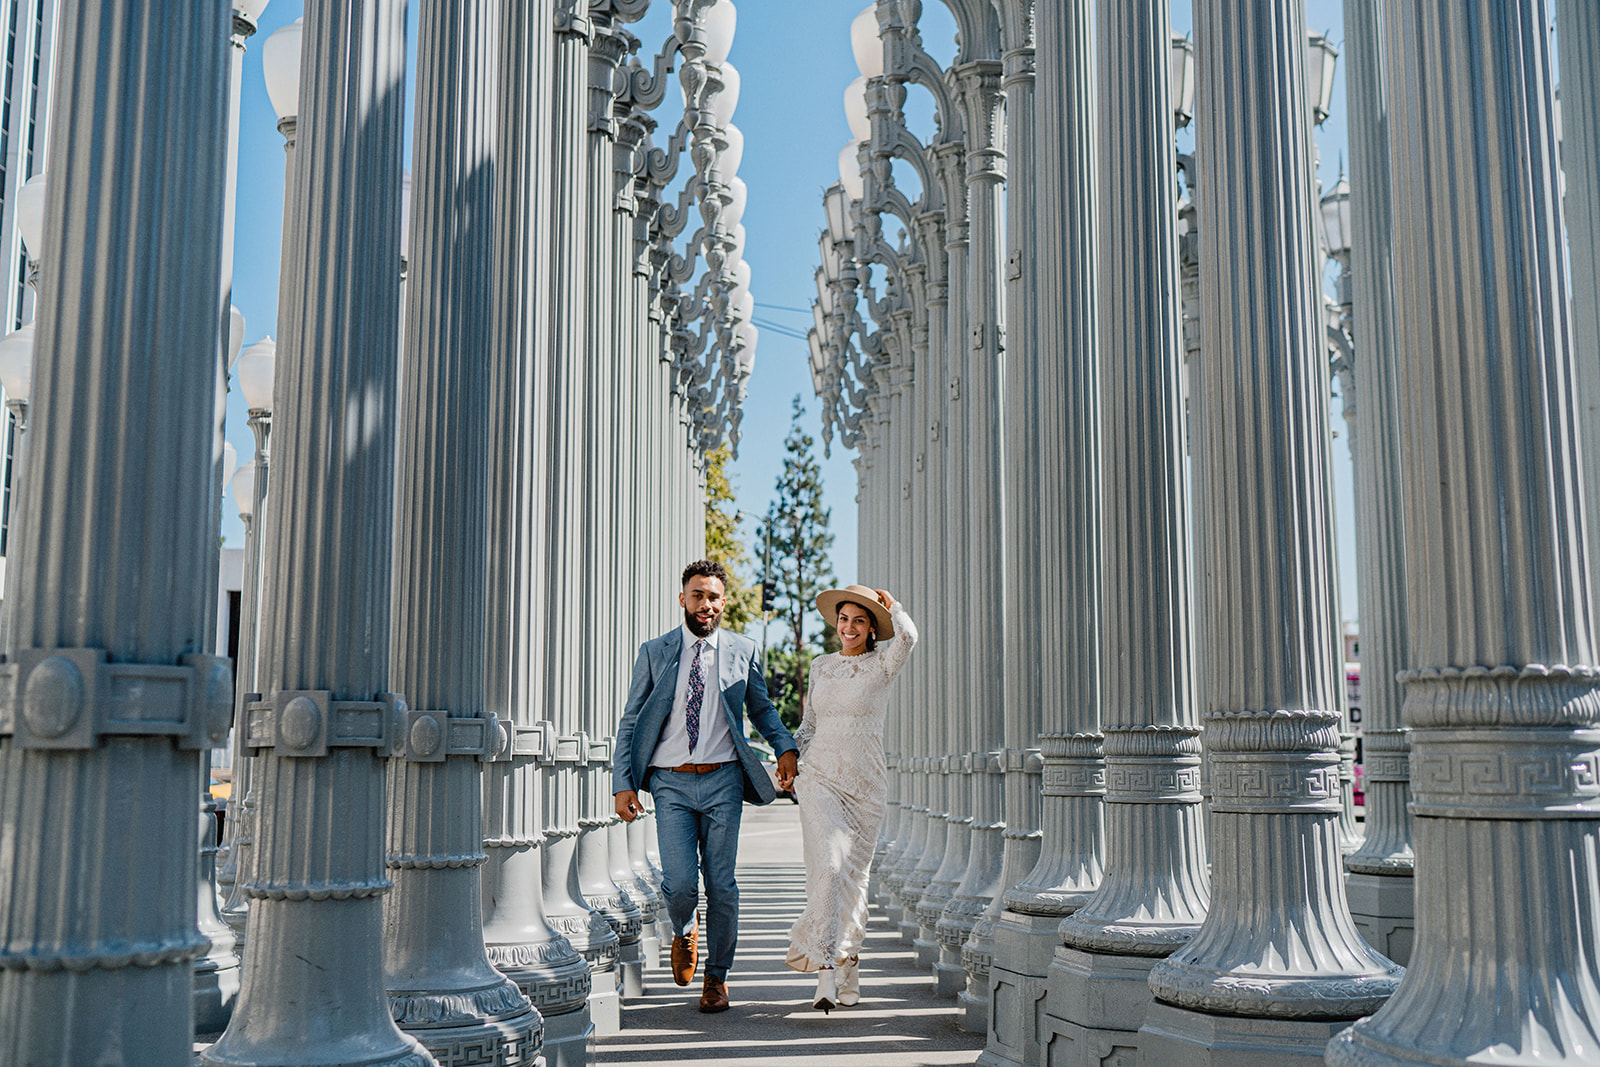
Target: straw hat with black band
{"x":828,"y":602}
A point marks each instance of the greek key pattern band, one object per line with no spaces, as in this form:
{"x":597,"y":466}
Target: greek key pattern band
{"x":1506,"y":774}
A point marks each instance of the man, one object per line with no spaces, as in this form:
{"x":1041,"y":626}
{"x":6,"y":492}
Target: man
{"x":687,"y":747}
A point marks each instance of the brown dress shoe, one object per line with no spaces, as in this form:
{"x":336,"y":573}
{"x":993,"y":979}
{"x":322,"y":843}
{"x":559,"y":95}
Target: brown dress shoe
{"x":714,"y":995}
{"x":685,"y":955}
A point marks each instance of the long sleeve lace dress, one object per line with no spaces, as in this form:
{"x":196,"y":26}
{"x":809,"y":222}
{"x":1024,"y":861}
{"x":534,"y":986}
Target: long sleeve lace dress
{"x":843,"y":788}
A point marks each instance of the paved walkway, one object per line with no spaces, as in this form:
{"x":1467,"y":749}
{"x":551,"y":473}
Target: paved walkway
{"x":899,"y":1022}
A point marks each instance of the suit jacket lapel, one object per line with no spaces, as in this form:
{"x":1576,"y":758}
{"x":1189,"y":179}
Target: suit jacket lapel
{"x":728,"y":671}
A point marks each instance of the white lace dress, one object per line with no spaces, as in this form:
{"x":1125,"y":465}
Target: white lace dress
{"x":843,"y":789}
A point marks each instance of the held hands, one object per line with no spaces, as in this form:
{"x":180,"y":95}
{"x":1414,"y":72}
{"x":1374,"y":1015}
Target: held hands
{"x":628,"y":806}
{"x":788,"y":767}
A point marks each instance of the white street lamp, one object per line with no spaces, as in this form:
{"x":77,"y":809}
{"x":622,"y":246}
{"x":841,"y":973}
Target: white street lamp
{"x":1321,"y":56}
{"x":734,"y":154}
{"x":30,"y":221}
{"x":16,"y":371}
{"x":836,"y":202}
{"x":855,"y":109}
{"x":254,"y":371}
{"x":251,"y":9}
{"x":280,"y":65}
{"x":1336,"y":219}
{"x":850,"y":170}
{"x":739,"y":194}
{"x":718,"y":22}
{"x":828,"y":253}
{"x":243,"y":486}
{"x":1182,"y":80}
{"x":865,"y":44}
{"x":724,"y":103}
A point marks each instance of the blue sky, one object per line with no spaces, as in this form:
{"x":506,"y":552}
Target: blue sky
{"x":795,"y":61}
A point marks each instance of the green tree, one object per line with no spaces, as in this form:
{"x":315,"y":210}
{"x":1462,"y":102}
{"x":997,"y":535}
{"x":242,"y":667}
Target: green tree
{"x":800,"y":566}
{"x":724,"y":546}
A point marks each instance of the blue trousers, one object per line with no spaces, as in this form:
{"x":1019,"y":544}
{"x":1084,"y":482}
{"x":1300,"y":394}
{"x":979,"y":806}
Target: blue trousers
{"x":697,"y":828}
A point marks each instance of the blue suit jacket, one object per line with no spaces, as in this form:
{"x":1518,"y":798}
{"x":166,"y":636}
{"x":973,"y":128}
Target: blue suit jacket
{"x":655,"y":681}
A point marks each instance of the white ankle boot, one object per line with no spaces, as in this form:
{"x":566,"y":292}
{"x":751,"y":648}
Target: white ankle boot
{"x":827,"y":991}
{"x":850,"y":981}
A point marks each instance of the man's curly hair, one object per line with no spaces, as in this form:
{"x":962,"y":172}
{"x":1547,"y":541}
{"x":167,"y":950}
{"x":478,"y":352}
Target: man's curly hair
{"x":708,"y":568}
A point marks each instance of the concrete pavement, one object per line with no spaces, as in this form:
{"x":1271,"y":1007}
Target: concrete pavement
{"x":899,"y":1022}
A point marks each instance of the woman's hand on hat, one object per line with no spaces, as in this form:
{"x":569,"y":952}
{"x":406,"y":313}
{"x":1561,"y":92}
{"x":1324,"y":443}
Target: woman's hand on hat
{"x":884,"y":598}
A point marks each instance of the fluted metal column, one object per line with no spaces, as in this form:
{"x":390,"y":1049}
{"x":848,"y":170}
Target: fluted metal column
{"x":954,"y":768}
{"x":1578,"y":36}
{"x":1379,"y":883}
{"x":1501,"y":693}
{"x":1155,"y":890}
{"x":588,"y":930}
{"x":1073,"y":781}
{"x":931,"y":804}
{"x":1278,"y":963}
{"x":631,"y":525}
{"x":442,"y":987}
{"x":521,"y":942}
{"x":978,"y":379}
{"x":592,"y":520}
{"x":313,"y":983}
{"x":109,"y":703}
{"x":242,"y":816}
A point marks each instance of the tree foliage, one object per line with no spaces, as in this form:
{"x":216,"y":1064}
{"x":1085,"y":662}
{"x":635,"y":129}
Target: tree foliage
{"x":724,"y":545}
{"x":800,"y":566}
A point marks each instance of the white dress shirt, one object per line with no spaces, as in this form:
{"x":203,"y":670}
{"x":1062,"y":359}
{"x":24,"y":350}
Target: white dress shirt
{"x":716,"y":742}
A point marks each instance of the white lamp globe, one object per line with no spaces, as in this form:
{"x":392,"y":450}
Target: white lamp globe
{"x":737,"y":251}
{"x":741,"y":194}
{"x":741,"y":279}
{"x":230,"y":460}
{"x":728,"y":99}
{"x":855,"y":109}
{"x":850,"y":171}
{"x":251,"y":9}
{"x":243,"y":485}
{"x":745,"y":307}
{"x":235,"y":335}
{"x":729,"y":163}
{"x":865,"y":44}
{"x":718,"y":22}
{"x":280,"y":66}
{"x":30,"y":215}
{"x":254,"y":371}
{"x":16,"y":364}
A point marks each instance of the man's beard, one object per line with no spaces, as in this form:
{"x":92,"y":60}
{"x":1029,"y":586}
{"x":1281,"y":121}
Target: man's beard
{"x":696,"y":627}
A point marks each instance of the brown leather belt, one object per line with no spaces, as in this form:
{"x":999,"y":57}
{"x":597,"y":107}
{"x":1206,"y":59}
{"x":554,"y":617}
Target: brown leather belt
{"x":698,"y":768}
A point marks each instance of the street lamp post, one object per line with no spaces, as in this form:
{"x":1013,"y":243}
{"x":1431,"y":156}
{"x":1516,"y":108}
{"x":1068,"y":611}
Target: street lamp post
{"x":254,"y":370}
{"x":313,"y":987}
{"x":114,"y":970}
{"x":1380,"y":877}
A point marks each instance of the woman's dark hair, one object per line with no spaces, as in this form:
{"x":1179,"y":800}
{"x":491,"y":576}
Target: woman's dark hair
{"x":705,"y":568}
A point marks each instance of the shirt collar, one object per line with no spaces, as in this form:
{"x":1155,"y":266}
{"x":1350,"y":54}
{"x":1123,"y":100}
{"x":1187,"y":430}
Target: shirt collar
{"x":711,"y":642}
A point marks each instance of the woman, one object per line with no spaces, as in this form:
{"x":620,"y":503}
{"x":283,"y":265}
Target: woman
{"x":844,"y":784}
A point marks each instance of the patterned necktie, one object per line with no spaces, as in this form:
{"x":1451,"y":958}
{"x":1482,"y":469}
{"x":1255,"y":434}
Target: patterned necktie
{"x":697,"y":692}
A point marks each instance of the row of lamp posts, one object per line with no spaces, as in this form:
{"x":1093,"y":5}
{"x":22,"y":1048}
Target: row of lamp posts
{"x":1121,"y":816}
{"x":391,"y":859}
